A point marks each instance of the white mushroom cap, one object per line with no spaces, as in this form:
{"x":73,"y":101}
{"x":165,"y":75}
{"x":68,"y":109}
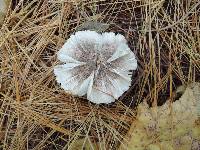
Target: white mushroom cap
{"x":96,"y":65}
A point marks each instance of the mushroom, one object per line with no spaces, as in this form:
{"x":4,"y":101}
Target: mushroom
{"x":95,"y":65}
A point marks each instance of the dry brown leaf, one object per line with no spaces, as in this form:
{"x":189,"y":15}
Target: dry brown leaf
{"x":168,"y":128}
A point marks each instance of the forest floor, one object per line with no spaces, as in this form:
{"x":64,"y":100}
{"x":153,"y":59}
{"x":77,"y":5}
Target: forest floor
{"x":35,"y":113}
